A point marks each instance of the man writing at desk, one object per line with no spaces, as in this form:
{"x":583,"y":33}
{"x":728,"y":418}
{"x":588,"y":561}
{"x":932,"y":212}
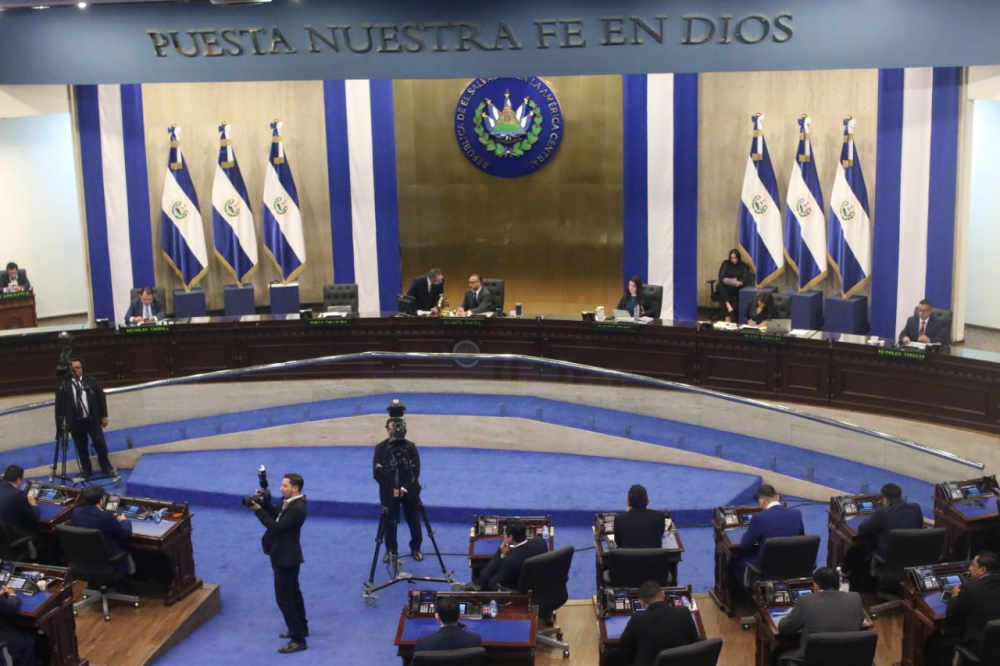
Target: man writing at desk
{"x":426,"y":290}
{"x":922,"y":327}
{"x":826,"y":610}
{"x":145,"y":309}
{"x":774,"y":521}
{"x":660,"y":627}
{"x":478,"y":299}
{"x":640,"y":526}
{"x":974,"y":604}
{"x":15,"y":279}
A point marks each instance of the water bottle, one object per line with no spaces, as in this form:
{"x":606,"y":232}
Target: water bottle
{"x":845,"y":585}
{"x":635,"y":314}
{"x":493,"y":608}
{"x":545,"y":532}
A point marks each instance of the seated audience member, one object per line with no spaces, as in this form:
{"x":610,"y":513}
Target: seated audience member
{"x":639,"y":527}
{"x":634,"y":297}
{"x":774,"y":521}
{"x":426,"y":290}
{"x":452,"y":635}
{"x":761,"y":310}
{"x":504,"y":570}
{"x":147,"y":308}
{"x":117,"y":530}
{"x":922,"y":327}
{"x":18,"y":512}
{"x":827,"y":610}
{"x":973,"y":604}
{"x":894,"y":514}
{"x":15,"y":279}
{"x":478,"y":299}
{"x":734,"y":274}
{"x":660,"y":627}
{"x":20,"y":644}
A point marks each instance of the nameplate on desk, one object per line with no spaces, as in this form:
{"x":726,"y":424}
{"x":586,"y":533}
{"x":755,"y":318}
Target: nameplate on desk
{"x":475,"y":322}
{"x":146,"y":330}
{"x":762,"y":338}
{"x":616,"y":326}
{"x":901,"y":354}
{"x":14,"y":295}
{"x":329,"y":321}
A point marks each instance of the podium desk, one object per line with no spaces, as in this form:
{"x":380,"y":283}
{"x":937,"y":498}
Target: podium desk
{"x":509,"y":638}
{"x":17,"y":310}
{"x":163,"y":552}
{"x":487,"y":533}
{"x":968,"y":510}
{"x":49,"y":615}
{"x":604,"y":543}
{"x":770,"y":607}
{"x":843,"y":517}
{"x":614,"y":607}
{"x":923,"y":609}
{"x":729,"y":525}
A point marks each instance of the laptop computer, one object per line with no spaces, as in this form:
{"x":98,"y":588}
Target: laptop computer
{"x":623,"y":314}
{"x":779,"y":326}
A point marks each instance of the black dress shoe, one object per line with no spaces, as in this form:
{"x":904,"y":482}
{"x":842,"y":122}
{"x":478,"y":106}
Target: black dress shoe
{"x":284,"y":634}
{"x":85,"y":476}
{"x":388,"y":556}
{"x":292,"y":646}
{"x":417,"y":555}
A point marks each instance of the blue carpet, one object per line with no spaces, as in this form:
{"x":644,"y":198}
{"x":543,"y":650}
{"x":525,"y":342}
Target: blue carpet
{"x":458,"y":482}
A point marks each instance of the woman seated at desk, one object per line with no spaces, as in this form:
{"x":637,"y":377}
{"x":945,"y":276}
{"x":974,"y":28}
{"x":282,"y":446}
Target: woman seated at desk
{"x":761,"y":310}
{"x":634,"y":297}
{"x":734,"y":274}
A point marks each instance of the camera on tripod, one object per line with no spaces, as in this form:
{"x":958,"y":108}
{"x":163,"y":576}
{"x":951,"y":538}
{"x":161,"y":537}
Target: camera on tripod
{"x":263,"y":496}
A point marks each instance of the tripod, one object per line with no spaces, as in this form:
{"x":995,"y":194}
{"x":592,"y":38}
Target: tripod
{"x":62,"y":439}
{"x":398,"y":575}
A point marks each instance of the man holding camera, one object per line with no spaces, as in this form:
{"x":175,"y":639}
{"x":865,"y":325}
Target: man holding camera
{"x":396,"y":468}
{"x":283,"y":522}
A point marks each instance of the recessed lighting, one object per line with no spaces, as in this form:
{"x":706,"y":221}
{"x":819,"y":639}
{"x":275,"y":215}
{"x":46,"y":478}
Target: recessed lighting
{"x":40,"y":7}
{"x":81,"y":5}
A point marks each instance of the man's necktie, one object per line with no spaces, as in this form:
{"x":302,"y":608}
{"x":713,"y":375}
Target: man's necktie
{"x":145,"y":312}
{"x":80,"y":410}
{"x":923,"y":325}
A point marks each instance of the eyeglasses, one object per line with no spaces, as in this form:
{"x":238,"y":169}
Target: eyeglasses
{"x":473,"y":281}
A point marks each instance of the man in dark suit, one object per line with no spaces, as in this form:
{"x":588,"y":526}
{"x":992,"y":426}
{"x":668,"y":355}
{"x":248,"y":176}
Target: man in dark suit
{"x":116,"y":530}
{"x":504,"y":570}
{"x":639,"y":527}
{"x":452,"y":634}
{"x":922,"y":327}
{"x":974,"y":604}
{"x":81,"y":405}
{"x":281,"y":542}
{"x":426,"y":290}
{"x":145,"y":309}
{"x":20,"y":644}
{"x":18,"y":512}
{"x":774,"y":521}
{"x":15,"y":279}
{"x":894,"y":514}
{"x":660,"y":627}
{"x":478,"y":299}
{"x":826,"y":610}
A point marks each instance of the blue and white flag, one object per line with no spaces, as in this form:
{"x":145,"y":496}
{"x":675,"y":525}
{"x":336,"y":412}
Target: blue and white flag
{"x":232,"y":218}
{"x":760,"y":215}
{"x":805,"y":225}
{"x":182,"y":233}
{"x":283,"y":235}
{"x":850,"y":234}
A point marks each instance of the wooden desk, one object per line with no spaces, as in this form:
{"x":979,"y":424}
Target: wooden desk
{"x":484,"y":540}
{"x":727,"y":550}
{"x":163,"y":552}
{"x":603,"y":547}
{"x":923,"y":615}
{"x":611,"y":623}
{"x":17,"y":310}
{"x":509,"y":638}
{"x":50,"y":614}
{"x":842,"y":523}
{"x":971,"y":527}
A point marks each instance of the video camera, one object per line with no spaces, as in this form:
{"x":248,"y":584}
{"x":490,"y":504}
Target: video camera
{"x":396,"y":424}
{"x":263,"y":496}
{"x":65,"y":355}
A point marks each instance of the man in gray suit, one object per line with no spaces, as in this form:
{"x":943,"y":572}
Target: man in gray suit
{"x":827,"y":609}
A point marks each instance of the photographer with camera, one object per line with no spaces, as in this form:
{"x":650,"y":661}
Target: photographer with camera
{"x":283,"y":522}
{"x":396,"y":468}
{"x":82,"y":410}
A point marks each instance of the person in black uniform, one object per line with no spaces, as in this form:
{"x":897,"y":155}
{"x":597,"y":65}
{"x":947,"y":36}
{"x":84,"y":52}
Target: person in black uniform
{"x":639,"y":527}
{"x":396,"y":468}
{"x":633,"y":297}
{"x":478,"y":299}
{"x":762,"y":309}
{"x":426,"y":290}
{"x":281,"y":541}
{"x":973,"y":604}
{"x":894,"y":514}
{"x":504,"y":570}
{"x":116,"y":530}
{"x":80,"y":402}
{"x":660,"y":627}
{"x":20,"y":644}
{"x":15,"y":279}
{"x":734,"y":274}
{"x":452,"y":634}
{"x":18,"y":512}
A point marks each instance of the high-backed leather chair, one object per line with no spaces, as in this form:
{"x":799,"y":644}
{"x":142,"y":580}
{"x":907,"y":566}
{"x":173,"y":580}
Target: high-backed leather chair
{"x":907,"y":548}
{"x":463,"y":657}
{"x":782,"y":306}
{"x":702,"y":653}
{"x":631,"y":567}
{"x":339,"y":295}
{"x":545,"y":576}
{"x":89,"y":559}
{"x":989,"y":648}
{"x":654,"y":292}
{"x":845,"y":648}
{"x":496,"y":287}
{"x":786,"y":557}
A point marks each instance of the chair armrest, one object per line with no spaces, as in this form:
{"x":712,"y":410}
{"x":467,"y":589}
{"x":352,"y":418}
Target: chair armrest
{"x":501,"y":588}
{"x":878,"y":558}
{"x":19,"y":542}
{"x":711,"y":283}
{"x":115,"y":558}
{"x":754,"y":568}
{"x":968,"y":656}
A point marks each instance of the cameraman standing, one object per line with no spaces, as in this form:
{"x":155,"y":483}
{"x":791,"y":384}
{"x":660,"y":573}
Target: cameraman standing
{"x":281,"y":542}
{"x":83,"y":409}
{"x":396,"y":468}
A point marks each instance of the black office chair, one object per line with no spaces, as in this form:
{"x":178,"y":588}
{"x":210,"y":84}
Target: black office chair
{"x":90,"y":561}
{"x":496,"y":288}
{"x":989,"y":648}
{"x":703,"y":653}
{"x":845,"y":648}
{"x":946,"y":317}
{"x":782,"y":306}
{"x":784,"y":558}
{"x":339,"y":295}
{"x":17,"y":550}
{"x":654,"y":293}
{"x":907,"y":548}
{"x":545,"y":577}
{"x":631,"y":567}
{"x":159,"y":293}
{"x":464,"y":657}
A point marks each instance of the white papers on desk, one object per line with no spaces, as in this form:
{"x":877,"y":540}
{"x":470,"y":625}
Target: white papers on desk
{"x":725,"y":326}
{"x":423,"y":313}
{"x":916,"y":345}
{"x":644,"y":320}
{"x":803,"y":333}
